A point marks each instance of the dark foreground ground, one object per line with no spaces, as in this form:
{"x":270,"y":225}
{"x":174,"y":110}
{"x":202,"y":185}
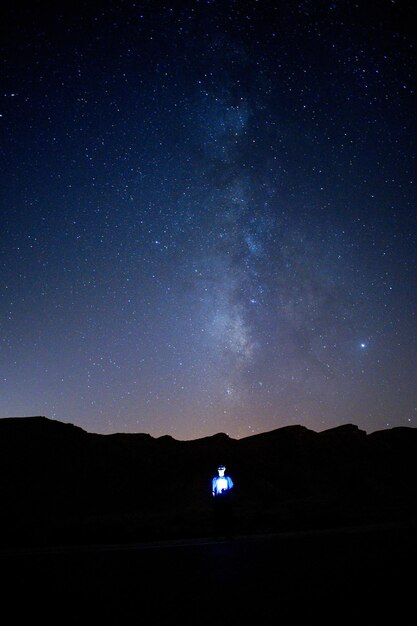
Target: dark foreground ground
{"x":356,"y":575}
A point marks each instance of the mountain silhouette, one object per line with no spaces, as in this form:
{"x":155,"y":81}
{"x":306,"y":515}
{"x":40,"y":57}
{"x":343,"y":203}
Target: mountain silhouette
{"x":62,"y":485}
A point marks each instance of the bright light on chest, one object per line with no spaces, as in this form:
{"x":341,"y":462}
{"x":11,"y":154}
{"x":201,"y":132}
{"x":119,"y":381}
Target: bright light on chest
{"x":221,"y":485}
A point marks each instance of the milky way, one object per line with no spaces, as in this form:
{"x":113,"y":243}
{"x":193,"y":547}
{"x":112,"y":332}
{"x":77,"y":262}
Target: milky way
{"x":208,"y":216}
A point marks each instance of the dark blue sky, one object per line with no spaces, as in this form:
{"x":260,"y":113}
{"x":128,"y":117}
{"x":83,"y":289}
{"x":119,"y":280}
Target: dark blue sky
{"x":209,"y":215}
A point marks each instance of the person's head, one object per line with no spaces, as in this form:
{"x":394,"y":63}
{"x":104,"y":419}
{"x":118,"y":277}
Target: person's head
{"x":221,"y":469}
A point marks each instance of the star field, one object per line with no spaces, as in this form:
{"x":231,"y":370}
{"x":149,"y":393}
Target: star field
{"x":209,"y":215}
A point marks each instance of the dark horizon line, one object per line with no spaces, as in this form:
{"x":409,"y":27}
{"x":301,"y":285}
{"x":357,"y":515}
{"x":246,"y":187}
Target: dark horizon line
{"x":344,"y":426}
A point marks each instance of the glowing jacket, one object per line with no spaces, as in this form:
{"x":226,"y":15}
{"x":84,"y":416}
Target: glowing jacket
{"x":221,"y":484}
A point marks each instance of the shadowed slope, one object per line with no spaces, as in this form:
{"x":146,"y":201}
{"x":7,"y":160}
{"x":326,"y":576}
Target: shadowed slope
{"x":60,"y":484}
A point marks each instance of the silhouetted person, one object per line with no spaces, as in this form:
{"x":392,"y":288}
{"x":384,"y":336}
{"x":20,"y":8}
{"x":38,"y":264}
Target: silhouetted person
{"x":221,"y":487}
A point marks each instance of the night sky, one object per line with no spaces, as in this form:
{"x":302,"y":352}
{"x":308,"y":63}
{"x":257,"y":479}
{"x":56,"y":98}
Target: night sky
{"x":208,"y":215}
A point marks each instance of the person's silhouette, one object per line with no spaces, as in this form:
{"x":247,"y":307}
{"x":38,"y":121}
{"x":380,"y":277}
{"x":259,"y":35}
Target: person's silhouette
{"x":221,"y":484}
{"x":221,"y":487}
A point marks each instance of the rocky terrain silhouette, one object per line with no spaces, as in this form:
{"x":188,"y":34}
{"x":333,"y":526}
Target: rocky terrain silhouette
{"x":61,"y":485}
